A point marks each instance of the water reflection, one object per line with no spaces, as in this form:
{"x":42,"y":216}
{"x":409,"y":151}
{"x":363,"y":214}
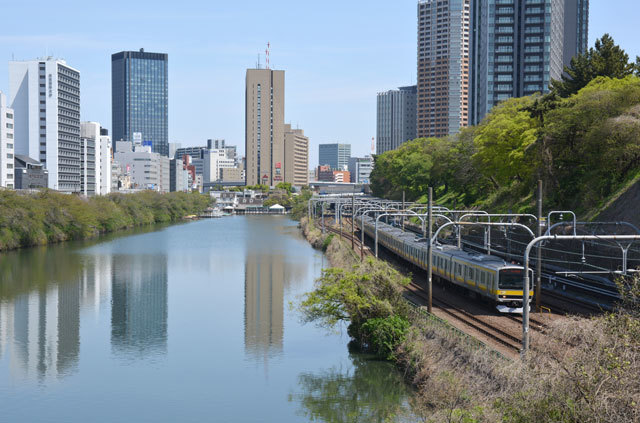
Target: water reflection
{"x":139,"y":307}
{"x":263,"y":304}
{"x":371,"y":391}
{"x":41,"y":331}
{"x":44,"y":292}
{"x":271,"y":268}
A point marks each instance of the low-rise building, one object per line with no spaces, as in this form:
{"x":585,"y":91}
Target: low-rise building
{"x":29,"y":173}
{"x":341,"y":176}
{"x":147,"y":170}
{"x":324,"y":173}
{"x":232,"y":174}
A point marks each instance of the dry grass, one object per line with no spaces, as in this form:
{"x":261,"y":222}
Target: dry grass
{"x":588,"y":371}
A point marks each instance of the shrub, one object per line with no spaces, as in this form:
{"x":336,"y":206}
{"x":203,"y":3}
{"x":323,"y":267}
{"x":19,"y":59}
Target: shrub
{"x":383,"y":335}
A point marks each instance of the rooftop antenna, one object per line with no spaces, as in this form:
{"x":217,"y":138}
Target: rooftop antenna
{"x":373,"y":145}
{"x":267,"y":53}
{"x":258,"y":64}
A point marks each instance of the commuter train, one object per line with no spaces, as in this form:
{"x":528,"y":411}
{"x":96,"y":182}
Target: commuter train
{"x":490,"y":277}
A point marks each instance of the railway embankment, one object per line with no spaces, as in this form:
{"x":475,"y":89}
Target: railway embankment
{"x":586,"y":370}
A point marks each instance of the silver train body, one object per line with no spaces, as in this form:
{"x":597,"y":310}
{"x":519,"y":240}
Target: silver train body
{"x":490,"y":277}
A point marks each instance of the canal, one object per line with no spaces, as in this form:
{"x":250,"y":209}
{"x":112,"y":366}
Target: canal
{"x":190,"y":322}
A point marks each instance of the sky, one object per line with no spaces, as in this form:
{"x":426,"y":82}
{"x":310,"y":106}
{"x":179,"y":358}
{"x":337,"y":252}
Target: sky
{"x":337,"y":55}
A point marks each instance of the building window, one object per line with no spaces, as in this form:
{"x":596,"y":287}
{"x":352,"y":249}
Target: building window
{"x":9,"y":156}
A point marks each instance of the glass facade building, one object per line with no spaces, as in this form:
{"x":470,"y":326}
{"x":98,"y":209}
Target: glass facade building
{"x":396,"y":118}
{"x":520,"y":46}
{"x":336,"y":156}
{"x":140,"y":98}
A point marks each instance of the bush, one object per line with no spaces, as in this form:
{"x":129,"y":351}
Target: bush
{"x":383,"y":335}
{"x":29,"y":219}
{"x":326,"y":242}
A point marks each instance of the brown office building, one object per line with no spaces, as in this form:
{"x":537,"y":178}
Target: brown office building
{"x":296,"y":156}
{"x":264,"y":126}
{"x":443,"y":67}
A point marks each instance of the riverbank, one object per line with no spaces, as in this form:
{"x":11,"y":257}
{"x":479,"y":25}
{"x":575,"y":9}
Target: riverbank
{"x":587,"y":372}
{"x":45,"y":217}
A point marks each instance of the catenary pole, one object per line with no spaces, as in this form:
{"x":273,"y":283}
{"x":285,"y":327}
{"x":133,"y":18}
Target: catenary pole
{"x":429,"y":252}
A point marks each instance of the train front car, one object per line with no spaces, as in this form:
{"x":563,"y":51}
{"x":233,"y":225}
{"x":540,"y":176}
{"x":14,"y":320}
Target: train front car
{"x":510,"y":289}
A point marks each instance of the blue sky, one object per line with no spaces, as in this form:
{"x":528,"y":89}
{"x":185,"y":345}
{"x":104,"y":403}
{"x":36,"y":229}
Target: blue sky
{"x":337,"y":55}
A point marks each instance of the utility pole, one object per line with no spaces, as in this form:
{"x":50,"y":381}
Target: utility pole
{"x":538,"y":292}
{"x":353,"y":211}
{"x":429,"y":255}
{"x":403,"y":210}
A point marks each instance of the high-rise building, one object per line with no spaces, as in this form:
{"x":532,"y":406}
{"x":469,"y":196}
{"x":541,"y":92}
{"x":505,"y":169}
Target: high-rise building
{"x":103,"y":166}
{"x":264,"y":126}
{"x":88,"y":161}
{"x":443,"y":67}
{"x":360,"y":169}
{"x":45,"y":97}
{"x":519,"y":47}
{"x":396,"y":122}
{"x":296,"y":156}
{"x":140,"y":98}
{"x":7,"y":179}
{"x":96,"y":158}
{"x":335,"y":155}
{"x":576,"y":28}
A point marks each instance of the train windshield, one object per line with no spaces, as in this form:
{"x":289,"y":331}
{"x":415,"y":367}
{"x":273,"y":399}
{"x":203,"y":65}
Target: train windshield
{"x":511,"y":279}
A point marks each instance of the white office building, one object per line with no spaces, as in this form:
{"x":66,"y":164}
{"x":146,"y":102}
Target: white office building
{"x":103,"y":164}
{"x":94,"y":139}
{"x":45,"y":96}
{"x":213,"y":161}
{"x":6,"y":144}
{"x":360,"y":169}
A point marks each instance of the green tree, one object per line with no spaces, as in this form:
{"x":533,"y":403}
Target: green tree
{"x":606,"y":59}
{"x":503,"y":139}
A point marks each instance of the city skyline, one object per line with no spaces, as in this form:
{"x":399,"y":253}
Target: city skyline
{"x":327,"y":81}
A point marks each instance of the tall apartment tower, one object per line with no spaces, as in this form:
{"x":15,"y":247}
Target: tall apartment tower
{"x":6,"y":144}
{"x":520,"y":46}
{"x":336,"y":156}
{"x":140,"y":98}
{"x":443,"y":67}
{"x":296,"y":156}
{"x":264,"y":126}
{"x":396,"y":118}
{"x":576,"y":28}
{"x":45,"y":96}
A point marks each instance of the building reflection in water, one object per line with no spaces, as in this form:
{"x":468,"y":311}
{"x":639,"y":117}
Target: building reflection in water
{"x":268,"y":274}
{"x":41,"y":331}
{"x":40,"y":314}
{"x":139,"y":305}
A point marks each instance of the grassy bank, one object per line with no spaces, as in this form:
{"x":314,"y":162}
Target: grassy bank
{"x":48,"y":217}
{"x":586,"y":372}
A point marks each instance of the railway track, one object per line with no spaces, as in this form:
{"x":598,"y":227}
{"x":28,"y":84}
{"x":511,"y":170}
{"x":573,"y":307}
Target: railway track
{"x":496,"y":334}
{"x":487,"y":329}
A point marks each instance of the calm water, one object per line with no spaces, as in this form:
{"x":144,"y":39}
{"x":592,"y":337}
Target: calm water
{"x":187,"y":323}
